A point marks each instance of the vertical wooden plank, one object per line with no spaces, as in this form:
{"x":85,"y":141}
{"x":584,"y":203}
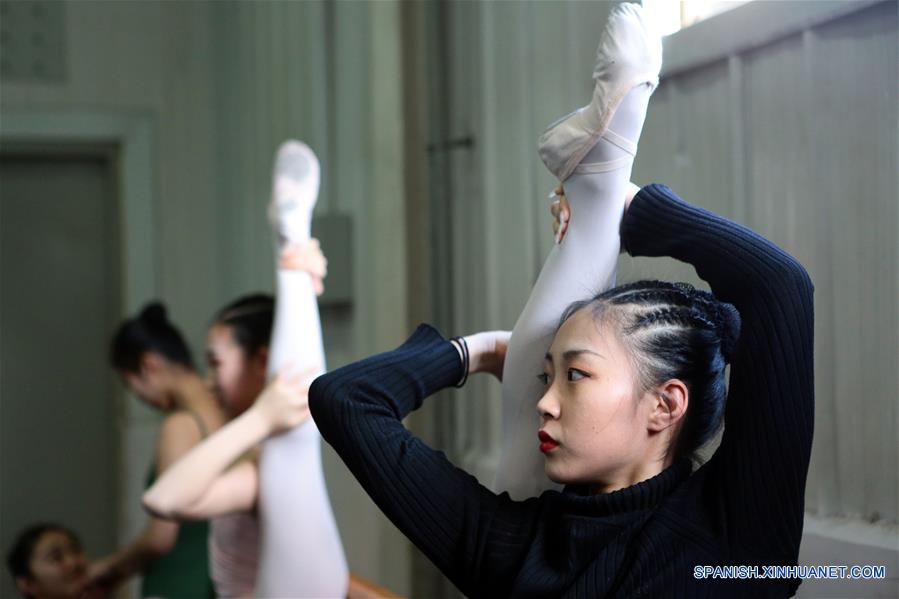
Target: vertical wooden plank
{"x":232,"y":111}
{"x":387,"y":191}
{"x":737,"y":141}
{"x":242,"y":86}
{"x":473,"y":25}
{"x":315,"y":52}
{"x":222,"y":16}
{"x":688,"y":122}
{"x":550,"y":80}
{"x":704,"y":127}
{"x":783,"y":160}
{"x":656,"y":155}
{"x":276,"y":32}
{"x":823,"y":489}
{"x":263,"y":151}
{"x":385,"y":298}
{"x":508,"y":197}
{"x":292,"y":46}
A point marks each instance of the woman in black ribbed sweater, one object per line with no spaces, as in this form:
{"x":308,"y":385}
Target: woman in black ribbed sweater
{"x":634,"y":385}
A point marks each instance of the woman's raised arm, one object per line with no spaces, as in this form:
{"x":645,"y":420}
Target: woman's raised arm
{"x":762,"y":462}
{"x":474,"y":536}
{"x":212,"y":479}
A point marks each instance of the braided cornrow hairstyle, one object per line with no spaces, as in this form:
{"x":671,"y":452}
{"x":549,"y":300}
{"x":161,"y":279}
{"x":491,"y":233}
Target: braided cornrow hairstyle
{"x":149,"y":331}
{"x":250,"y":318}
{"x":674,"y":331}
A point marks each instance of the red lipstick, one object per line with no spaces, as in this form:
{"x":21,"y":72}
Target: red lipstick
{"x":547,"y":443}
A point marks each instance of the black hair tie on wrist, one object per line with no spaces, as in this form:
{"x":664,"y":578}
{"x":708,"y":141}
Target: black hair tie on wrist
{"x":465,"y":359}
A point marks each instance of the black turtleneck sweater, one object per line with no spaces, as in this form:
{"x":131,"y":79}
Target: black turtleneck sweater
{"x":743,"y":507}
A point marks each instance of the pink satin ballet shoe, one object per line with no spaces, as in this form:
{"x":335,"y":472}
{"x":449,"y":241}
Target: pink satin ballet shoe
{"x":629,"y":54}
{"x":295,"y":183}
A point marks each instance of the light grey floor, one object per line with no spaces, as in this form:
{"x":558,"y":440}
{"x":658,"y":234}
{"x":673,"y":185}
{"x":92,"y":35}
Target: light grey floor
{"x":819,"y":550}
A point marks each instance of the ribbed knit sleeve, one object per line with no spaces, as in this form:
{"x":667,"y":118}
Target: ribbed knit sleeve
{"x":454,"y":520}
{"x":761,"y":465}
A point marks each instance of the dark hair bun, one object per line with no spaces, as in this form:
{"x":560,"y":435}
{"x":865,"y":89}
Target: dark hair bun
{"x":154,"y":313}
{"x":149,"y":331}
{"x":729,"y":323}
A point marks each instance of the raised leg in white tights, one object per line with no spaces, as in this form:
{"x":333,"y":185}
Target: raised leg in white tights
{"x":591,"y":151}
{"x":301,"y":554}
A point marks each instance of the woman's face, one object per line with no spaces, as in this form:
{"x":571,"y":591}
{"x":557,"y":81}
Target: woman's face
{"x":151,"y":382}
{"x":235,"y":379}
{"x":593,"y":420}
{"x":58,"y":567}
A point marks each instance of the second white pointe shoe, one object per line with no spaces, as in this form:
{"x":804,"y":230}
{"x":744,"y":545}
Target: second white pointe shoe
{"x":629,"y":54}
{"x":295,"y":182}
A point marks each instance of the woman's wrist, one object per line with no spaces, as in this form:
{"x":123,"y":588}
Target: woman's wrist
{"x":259,"y":423}
{"x":482,"y":354}
{"x":632,"y":190}
{"x":488,"y":352}
{"x":461,"y":346}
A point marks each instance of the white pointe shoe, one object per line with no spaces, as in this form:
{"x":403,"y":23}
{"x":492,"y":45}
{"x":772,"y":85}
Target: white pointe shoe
{"x":295,"y":182}
{"x":629,"y":54}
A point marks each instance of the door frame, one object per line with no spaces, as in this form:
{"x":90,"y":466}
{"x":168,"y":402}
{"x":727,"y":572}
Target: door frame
{"x":131,"y":135}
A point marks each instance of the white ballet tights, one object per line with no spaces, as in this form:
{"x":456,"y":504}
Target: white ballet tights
{"x":582,"y":265}
{"x":301,"y":554}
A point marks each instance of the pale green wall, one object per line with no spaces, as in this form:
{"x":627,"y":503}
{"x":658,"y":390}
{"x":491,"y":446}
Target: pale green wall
{"x":138,"y":75}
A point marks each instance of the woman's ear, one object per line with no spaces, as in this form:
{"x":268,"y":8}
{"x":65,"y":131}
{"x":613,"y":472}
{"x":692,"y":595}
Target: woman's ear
{"x":670,"y":404}
{"x":26,"y":586}
{"x":260,"y":360}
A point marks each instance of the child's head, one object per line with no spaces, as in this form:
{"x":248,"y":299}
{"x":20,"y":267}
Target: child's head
{"x":237,"y":351}
{"x":47,"y":562}
{"x":145,"y":351}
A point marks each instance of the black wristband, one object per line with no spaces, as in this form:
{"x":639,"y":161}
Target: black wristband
{"x":463,"y":345}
